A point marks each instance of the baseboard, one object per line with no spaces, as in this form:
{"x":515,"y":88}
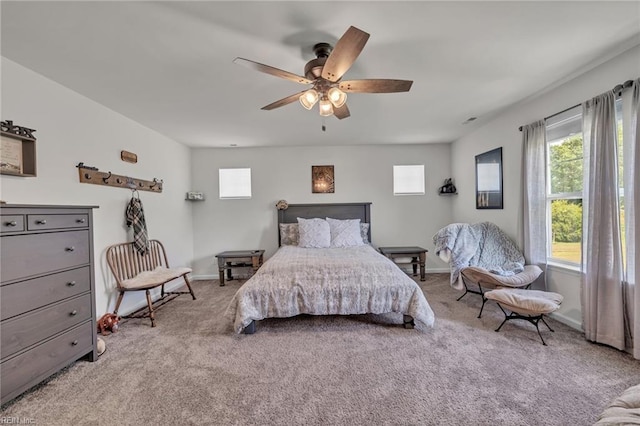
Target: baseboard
{"x":204,"y":277}
{"x":566,"y":320}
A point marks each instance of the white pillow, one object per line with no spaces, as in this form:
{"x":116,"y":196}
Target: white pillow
{"x":314,"y":233}
{"x":345,"y":233}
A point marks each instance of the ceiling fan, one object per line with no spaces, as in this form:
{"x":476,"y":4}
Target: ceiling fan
{"x":325,"y":75}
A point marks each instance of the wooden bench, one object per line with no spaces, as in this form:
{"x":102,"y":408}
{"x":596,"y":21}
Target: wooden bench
{"x":137,"y":272}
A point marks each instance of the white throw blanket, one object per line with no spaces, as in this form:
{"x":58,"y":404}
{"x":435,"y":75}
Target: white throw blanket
{"x":481,"y":244}
{"x":327,"y":281}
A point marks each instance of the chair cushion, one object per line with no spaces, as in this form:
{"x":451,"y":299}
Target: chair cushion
{"x":158,"y":276}
{"x":624,"y":410}
{"x":526,"y":302}
{"x":480,"y":275}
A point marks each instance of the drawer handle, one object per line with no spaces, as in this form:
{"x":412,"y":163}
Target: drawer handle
{"x":72,"y":248}
{"x":80,"y":220}
{"x":12,"y":223}
{"x":74,"y":343}
{"x":41,"y":222}
{"x":71,"y":283}
{"x":73,"y":313}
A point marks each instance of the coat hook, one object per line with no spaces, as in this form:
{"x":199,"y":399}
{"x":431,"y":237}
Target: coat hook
{"x":87,"y":176}
{"x":156,"y":181}
{"x":105,"y":179}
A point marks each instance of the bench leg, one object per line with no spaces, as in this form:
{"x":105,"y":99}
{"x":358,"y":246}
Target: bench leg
{"x":118,"y":302}
{"x":151,"y":314}
{"x":186,"y":280}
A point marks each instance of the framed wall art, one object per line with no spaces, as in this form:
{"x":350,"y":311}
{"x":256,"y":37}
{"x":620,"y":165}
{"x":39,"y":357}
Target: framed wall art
{"x":322,"y":180}
{"x":489,"y":180}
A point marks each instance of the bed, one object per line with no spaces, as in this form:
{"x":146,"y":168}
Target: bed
{"x":343,"y":280}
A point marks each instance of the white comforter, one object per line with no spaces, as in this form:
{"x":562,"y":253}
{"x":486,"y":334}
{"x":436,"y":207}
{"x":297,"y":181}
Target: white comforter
{"x":331,"y":281}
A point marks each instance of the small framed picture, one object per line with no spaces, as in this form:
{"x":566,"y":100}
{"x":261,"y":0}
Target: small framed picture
{"x":322,"y":180}
{"x":11,"y":155}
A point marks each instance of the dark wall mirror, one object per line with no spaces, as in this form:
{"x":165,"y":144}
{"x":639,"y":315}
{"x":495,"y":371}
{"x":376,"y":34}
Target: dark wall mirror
{"x":489,"y":180}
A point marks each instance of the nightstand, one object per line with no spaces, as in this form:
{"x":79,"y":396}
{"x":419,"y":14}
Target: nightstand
{"x":418,"y":257}
{"x":228,"y":260}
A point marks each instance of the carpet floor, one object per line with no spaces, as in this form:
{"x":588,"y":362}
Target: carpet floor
{"x":339,"y":370}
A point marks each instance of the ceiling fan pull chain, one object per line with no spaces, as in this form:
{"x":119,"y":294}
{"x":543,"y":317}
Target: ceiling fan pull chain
{"x":324,"y":128}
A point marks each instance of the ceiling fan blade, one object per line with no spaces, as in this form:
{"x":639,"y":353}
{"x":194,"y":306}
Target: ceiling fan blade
{"x":344,"y":54}
{"x":376,"y":86}
{"x":342,"y":112}
{"x":283,"y":101}
{"x":273,"y":71}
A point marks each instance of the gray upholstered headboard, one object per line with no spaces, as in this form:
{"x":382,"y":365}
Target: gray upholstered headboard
{"x":360,"y":211}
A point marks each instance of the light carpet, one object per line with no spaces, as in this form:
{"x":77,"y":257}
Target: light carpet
{"x":349,"y":370}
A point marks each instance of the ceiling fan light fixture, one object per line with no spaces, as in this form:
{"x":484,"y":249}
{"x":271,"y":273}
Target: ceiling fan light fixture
{"x":309,"y":98}
{"x":337,"y":97}
{"x":326,"y":109}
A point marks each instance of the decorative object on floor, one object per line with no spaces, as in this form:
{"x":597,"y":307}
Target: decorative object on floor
{"x":325,"y":75}
{"x":108,"y":323}
{"x":528,"y":305}
{"x":18,"y":150}
{"x":135,"y":271}
{"x":489,"y":180}
{"x":101,"y":345}
{"x":282,"y":205}
{"x":94,"y":176}
{"x":482,"y":255}
{"x":448,"y":188}
{"x":322,"y":180}
{"x":129,"y":157}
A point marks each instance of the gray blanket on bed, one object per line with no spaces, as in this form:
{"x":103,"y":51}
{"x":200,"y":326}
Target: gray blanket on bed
{"x":480,"y":244}
{"x":327,"y":281}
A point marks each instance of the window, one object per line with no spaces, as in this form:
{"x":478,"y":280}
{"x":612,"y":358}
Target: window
{"x":235,"y":183}
{"x":564,"y":186}
{"x":408,"y":180}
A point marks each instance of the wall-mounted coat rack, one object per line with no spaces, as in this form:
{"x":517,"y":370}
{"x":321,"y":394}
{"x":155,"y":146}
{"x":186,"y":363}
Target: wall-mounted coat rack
{"x":92,"y":175}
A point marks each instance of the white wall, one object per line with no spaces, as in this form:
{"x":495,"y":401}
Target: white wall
{"x":71,"y":129}
{"x":362,"y":173}
{"x":503,"y":132}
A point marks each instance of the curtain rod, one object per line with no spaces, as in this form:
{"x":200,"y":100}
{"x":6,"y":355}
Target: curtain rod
{"x":617,"y":90}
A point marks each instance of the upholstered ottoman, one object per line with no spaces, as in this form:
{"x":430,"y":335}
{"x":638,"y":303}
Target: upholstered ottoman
{"x":529,"y":305}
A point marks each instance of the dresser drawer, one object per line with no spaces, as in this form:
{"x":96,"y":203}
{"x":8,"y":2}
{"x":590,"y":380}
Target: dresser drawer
{"x":33,"y":254}
{"x":25,"y":296}
{"x":17,"y":374}
{"x":40,"y":222}
{"x":11,"y":223}
{"x":25,"y":330}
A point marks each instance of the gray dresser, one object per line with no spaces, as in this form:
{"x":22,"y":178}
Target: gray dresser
{"x":47,"y":295}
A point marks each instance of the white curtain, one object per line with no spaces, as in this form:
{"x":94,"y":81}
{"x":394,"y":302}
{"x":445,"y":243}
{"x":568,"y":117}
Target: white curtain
{"x":602,"y":270}
{"x":631,"y":157}
{"x":534,"y":197}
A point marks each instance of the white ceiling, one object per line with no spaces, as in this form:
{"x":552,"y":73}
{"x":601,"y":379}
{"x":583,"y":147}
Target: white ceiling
{"x":168,"y":65}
